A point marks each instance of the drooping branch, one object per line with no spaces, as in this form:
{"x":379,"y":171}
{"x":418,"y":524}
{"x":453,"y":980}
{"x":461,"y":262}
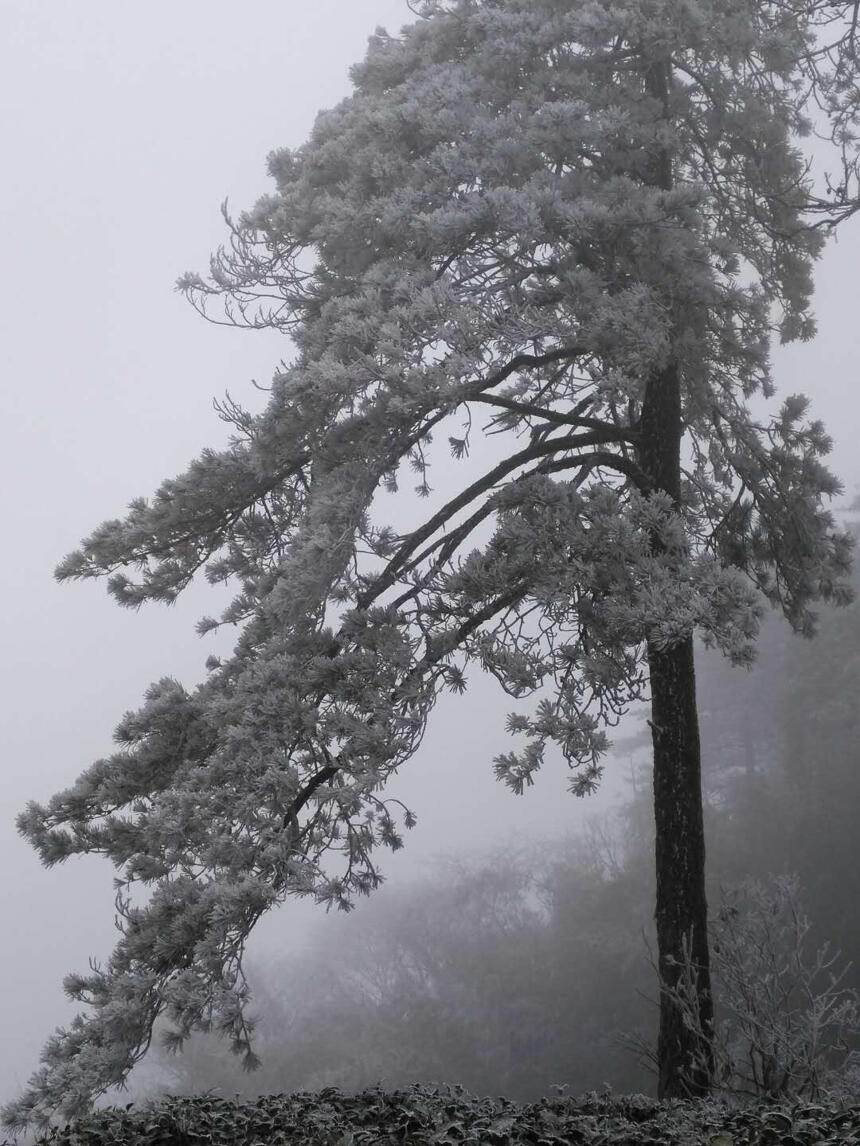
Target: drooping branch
{"x":435,"y":653}
{"x":527,"y":410}
{"x":183,"y":544}
{"x":450,"y":542}
{"x":520,"y":362}
{"x":606,"y":435}
{"x":304,"y":794}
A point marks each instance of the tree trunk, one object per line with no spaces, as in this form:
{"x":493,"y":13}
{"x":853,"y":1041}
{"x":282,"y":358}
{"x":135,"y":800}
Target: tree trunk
{"x":684,"y":1055}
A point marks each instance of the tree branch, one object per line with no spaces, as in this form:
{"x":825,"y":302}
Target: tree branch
{"x":528,"y":410}
{"x":550,"y":446}
{"x":561,"y":354}
{"x":450,"y":542}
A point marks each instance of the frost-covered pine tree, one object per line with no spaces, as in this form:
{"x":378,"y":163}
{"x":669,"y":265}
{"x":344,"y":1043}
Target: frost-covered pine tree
{"x":580,"y":222}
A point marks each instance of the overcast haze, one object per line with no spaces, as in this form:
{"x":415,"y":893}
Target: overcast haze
{"x":124,"y":127}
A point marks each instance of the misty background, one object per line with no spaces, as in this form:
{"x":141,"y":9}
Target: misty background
{"x":123,"y":129}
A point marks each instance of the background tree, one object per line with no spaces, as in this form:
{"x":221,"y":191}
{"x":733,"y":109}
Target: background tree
{"x":586,"y":220}
{"x":788,"y":802}
{"x":506,"y":973}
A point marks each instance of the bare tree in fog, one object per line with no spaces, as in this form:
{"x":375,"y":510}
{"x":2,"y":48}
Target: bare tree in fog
{"x":506,"y":973}
{"x":584,"y":222}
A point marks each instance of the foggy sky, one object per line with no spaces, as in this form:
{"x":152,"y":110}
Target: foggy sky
{"x":123,"y":129}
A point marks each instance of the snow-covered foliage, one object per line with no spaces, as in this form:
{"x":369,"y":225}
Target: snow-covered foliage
{"x":788,"y":1026}
{"x":474,"y":232}
{"x":450,"y":1116}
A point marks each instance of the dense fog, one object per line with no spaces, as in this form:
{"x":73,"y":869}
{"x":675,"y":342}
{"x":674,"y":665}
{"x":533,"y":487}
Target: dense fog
{"x":508,"y":950}
{"x":529,"y":964}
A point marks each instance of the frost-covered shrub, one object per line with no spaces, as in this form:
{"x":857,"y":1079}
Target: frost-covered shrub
{"x":786,"y":1025}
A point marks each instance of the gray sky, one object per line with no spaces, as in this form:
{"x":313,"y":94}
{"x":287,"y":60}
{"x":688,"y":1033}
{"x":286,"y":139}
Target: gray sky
{"x":123,"y":128}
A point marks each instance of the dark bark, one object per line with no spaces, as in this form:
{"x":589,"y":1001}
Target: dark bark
{"x":683,"y":1055}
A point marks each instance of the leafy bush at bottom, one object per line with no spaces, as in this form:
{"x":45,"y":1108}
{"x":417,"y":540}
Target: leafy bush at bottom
{"x":451,"y":1117}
